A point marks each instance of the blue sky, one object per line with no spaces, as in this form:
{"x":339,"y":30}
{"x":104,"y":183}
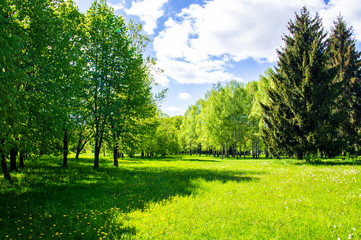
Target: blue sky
{"x":201,"y":42}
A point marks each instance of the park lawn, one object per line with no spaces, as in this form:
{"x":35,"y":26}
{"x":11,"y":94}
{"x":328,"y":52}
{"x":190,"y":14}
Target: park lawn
{"x":182,"y":197}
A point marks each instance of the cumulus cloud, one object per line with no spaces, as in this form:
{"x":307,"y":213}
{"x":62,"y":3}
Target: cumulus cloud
{"x":172,"y":111}
{"x":185,"y":96}
{"x":116,"y":6}
{"x":149,"y":11}
{"x":349,"y":9}
{"x":198,"y":44}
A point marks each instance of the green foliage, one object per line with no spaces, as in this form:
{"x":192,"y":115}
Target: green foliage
{"x":299,"y":118}
{"x":218,"y":122}
{"x":118,"y":79}
{"x":343,"y":55}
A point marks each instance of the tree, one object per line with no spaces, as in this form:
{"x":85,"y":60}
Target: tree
{"x":299,"y":118}
{"x":8,"y":75}
{"x":166,"y":137}
{"x":344,"y":56}
{"x":260,"y":97}
{"x":66,"y":65}
{"x":224,"y":118}
{"x":118,"y":77}
{"x":188,"y":133}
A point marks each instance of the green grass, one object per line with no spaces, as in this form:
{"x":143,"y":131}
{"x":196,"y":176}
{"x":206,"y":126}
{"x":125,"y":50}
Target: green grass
{"x":187,"y":197}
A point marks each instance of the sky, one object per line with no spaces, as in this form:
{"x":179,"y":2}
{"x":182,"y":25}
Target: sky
{"x":198,"y":43}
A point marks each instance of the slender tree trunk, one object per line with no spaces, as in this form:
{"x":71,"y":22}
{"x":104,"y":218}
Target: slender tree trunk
{"x":96,"y":155}
{"x":257,"y":147}
{"x":77,"y":153}
{"x":3,"y":161}
{"x":97,"y":148}
{"x":142,"y":154}
{"x":116,"y":154}
{"x":343,"y":154}
{"x":253,"y":148}
{"x":98,"y":145}
{"x":13,"y":154}
{"x":244,"y":150}
{"x":266,"y":152}
{"x":21,"y":159}
{"x":222,"y":152}
{"x":65,"y":149}
{"x":78,"y":149}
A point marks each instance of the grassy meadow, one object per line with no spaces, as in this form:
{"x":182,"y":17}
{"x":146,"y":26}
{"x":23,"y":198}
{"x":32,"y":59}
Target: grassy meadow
{"x":182,"y":197}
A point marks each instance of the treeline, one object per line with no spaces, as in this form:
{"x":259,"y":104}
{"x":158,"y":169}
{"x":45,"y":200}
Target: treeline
{"x":308,"y":106}
{"x":227,"y":121}
{"x":68,"y":78}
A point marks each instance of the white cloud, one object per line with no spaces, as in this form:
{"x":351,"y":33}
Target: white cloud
{"x":185,"y":96}
{"x":199,"y":43}
{"x":172,"y":111}
{"x":148,"y":11}
{"x":349,"y":9}
{"x":116,"y":6}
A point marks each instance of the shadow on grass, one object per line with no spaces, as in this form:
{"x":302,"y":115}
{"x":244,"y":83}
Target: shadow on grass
{"x":82,"y":201}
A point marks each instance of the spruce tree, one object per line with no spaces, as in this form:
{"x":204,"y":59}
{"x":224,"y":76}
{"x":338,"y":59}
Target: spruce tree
{"x":299,"y":119}
{"x":343,"y":55}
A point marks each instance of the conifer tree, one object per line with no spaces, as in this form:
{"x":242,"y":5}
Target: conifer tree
{"x":343,"y":55}
{"x":298,"y":117}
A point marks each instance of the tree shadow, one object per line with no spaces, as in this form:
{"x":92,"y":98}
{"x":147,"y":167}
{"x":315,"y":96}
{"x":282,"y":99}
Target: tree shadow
{"x":49,"y":195}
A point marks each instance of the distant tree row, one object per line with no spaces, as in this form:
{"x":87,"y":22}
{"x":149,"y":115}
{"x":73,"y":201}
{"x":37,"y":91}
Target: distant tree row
{"x":68,"y":78}
{"x":226,"y":122}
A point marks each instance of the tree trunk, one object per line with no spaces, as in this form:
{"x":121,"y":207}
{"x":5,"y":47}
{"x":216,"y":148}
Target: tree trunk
{"x":115,"y":155}
{"x":300,"y":155}
{"x":266,"y":152}
{"x":21,"y":159}
{"x":222,"y":152}
{"x":13,"y":154}
{"x":253,"y":148}
{"x":142,"y":154}
{"x":257,"y":147}
{"x":244,"y":150}
{"x":65,"y":149}
{"x":96,"y":155}
{"x":77,"y":153}
{"x":97,"y":146}
{"x":3,"y":161}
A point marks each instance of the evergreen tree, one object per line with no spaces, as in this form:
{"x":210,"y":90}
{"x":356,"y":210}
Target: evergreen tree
{"x":343,"y":55}
{"x":299,"y":118}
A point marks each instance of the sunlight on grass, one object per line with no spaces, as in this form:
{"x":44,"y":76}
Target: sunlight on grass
{"x":182,"y":198}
